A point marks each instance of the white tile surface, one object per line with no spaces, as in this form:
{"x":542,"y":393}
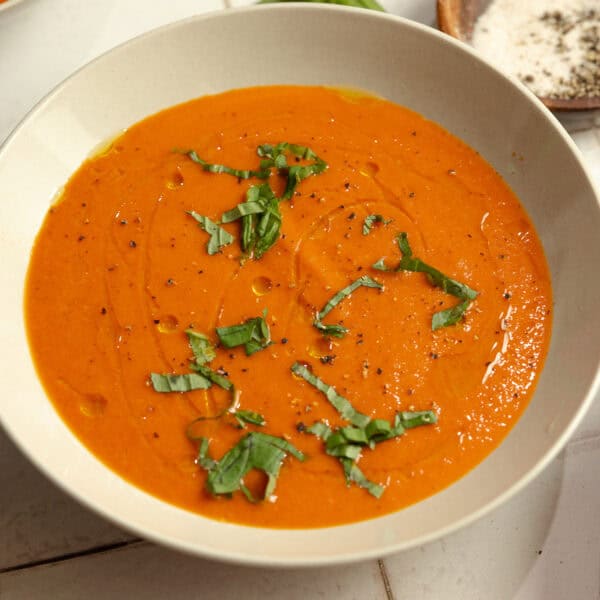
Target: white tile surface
{"x":544,"y":544}
{"x":37,"y":520}
{"x":152,"y":573}
{"x":569,"y":566}
{"x":41,"y":42}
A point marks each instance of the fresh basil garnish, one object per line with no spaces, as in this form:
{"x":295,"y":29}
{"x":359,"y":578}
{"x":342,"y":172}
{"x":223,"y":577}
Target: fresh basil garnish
{"x":346,"y":443}
{"x":185,"y":382}
{"x":255,"y":450}
{"x":370,"y":220}
{"x":253,"y":334}
{"x":218,"y":236}
{"x":339,"y":330}
{"x":249,"y":416}
{"x":260,"y":214}
{"x":341,"y":404}
{"x":275,"y":157}
{"x":201,"y":346}
{"x":215,"y":168}
{"x":202,"y":379}
{"x":408,"y":262}
{"x":261,"y":219}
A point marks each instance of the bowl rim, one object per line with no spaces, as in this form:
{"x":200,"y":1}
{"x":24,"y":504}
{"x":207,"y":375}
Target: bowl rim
{"x":302,"y":560}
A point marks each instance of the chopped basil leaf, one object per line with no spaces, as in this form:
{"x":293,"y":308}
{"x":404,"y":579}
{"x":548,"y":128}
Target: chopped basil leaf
{"x":213,"y":376}
{"x":203,"y":459}
{"x":355,"y":475}
{"x":201,"y":346}
{"x":438,"y":279}
{"x":218,"y":236}
{"x":179,"y":383}
{"x":268,"y":224}
{"x":370,"y":220}
{"x":410,"y":419}
{"x":275,"y":156}
{"x":254,"y":451}
{"x":253,"y":334}
{"x":260,"y":214}
{"x":333,"y":330}
{"x":443,"y":318}
{"x":341,"y":404}
{"x":248,"y":416}
{"x":381,"y":266}
{"x":214,"y":168}
{"x":346,"y":443}
{"x":250,"y":207}
{"x":339,"y":330}
{"x":347,"y":458}
{"x":319,"y":429}
{"x":449,"y":316}
{"x":261,"y":219}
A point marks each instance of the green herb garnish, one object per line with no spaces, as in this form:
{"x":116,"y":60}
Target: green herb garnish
{"x":214,"y":168}
{"x":449,"y":316}
{"x":346,"y":443}
{"x":260,"y":214}
{"x":253,"y":334}
{"x":261,"y":219}
{"x":213,"y":376}
{"x":201,"y":346}
{"x":254,"y":451}
{"x":249,"y":416}
{"x":202,"y":379}
{"x":341,"y":404}
{"x":339,"y":330}
{"x":275,"y":156}
{"x":185,"y":382}
{"x":408,"y":262}
{"x":218,"y":236}
{"x":370,"y":220}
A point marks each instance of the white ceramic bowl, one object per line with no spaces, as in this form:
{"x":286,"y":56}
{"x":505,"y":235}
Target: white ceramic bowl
{"x":309,"y":44}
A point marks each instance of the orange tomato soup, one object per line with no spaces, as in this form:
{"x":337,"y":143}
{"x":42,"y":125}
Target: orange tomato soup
{"x":120,"y":270}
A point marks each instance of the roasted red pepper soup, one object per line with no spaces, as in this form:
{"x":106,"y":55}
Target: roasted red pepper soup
{"x":288,"y":306}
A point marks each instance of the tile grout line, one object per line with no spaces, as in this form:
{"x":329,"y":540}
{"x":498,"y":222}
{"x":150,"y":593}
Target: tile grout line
{"x":386,"y":580}
{"x":70,"y":556}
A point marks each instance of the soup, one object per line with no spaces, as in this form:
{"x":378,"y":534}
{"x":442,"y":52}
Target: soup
{"x":288,"y":306}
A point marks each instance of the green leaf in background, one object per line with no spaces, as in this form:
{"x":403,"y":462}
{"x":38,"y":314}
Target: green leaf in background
{"x":218,"y":236}
{"x":371,"y":4}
